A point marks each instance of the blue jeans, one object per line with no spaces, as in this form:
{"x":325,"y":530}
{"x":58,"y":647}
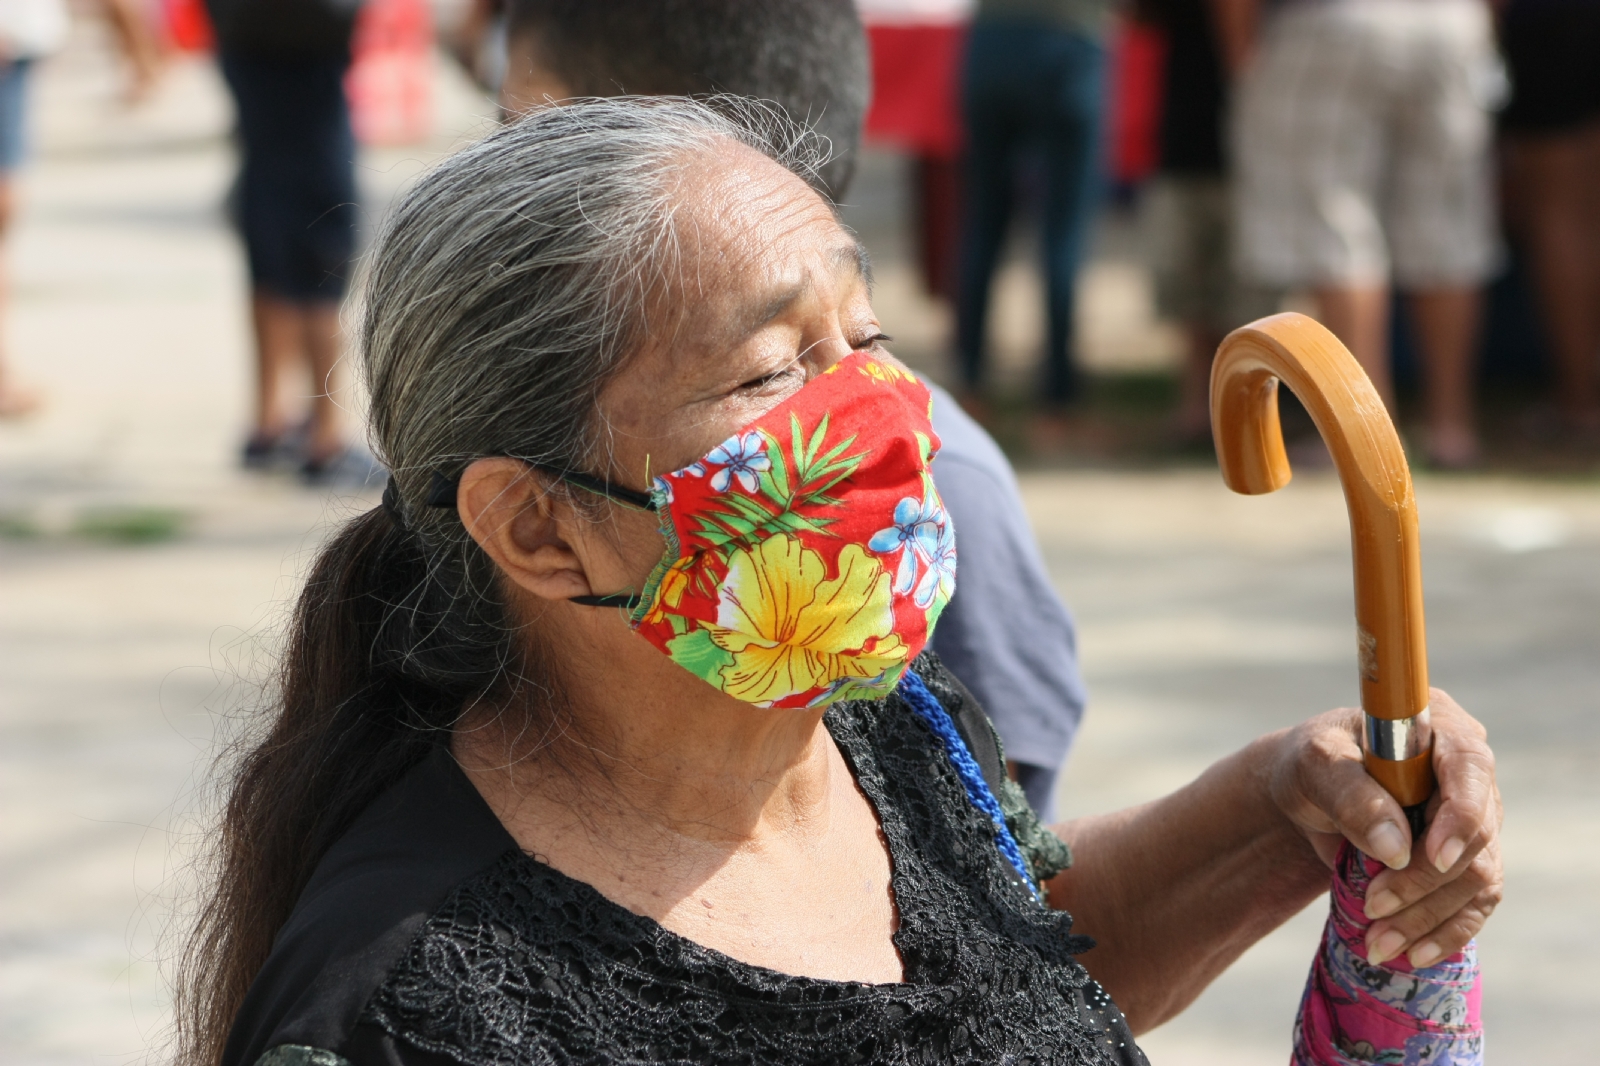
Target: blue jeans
{"x":13,"y":113}
{"x":1030,"y":86}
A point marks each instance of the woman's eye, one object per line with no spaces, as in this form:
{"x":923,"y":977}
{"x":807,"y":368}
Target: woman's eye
{"x":874,"y":341}
{"x":768,"y":379}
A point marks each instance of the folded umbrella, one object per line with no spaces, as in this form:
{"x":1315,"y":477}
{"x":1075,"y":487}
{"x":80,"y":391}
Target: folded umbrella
{"x":1354,"y":1012}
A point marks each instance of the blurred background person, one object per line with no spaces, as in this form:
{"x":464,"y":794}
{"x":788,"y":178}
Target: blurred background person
{"x":29,"y":29}
{"x":477,"y":42}
{"x":1188,"y":205}
{"x":140,"y":42}
{"x":1364,"y":159}
{"x":809,"y":56}
{"x":1035,"y":84}
{"x":917,"y":48}
{"x":1005,"y":633}
{"x":284,"y":62}
{"x":1551,"y":133}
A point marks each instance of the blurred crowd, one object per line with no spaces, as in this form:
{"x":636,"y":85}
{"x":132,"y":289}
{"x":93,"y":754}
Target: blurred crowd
{"x":1416,"y":169}
{"x":1418,"y":172}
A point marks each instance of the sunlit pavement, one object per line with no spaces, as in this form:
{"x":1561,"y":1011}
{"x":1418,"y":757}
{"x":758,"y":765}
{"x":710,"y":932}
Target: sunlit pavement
{"x":1206,"y":618}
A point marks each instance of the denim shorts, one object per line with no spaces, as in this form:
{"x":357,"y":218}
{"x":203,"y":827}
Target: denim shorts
{"x":295,"y":202}
{"x":13,"y":113}
{"x":1553,"y":50}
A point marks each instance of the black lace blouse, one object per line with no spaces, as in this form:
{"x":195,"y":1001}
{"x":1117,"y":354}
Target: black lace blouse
{"x":427,"y":937}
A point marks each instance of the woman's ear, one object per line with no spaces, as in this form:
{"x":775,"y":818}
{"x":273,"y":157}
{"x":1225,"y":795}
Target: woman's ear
{"x":512,"y":514}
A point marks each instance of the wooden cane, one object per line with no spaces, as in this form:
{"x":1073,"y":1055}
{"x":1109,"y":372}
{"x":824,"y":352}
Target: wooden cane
{"x":1390,"y":641}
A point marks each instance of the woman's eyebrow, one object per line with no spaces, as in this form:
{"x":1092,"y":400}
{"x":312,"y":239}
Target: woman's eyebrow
{"x":776,"y":304}
{"x":851,"y":258}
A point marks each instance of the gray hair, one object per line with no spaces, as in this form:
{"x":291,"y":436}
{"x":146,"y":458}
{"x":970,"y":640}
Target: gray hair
{"x":508,"y":287}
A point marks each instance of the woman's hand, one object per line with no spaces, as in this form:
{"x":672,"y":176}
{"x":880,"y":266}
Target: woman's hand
{"x":1177,"y":889}
{"x":1437,"y":892}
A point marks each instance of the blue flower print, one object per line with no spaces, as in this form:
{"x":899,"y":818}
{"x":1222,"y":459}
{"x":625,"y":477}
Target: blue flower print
{"x":916,"y":523}
{"x":742,"y":456}
{"x":938,"y":548}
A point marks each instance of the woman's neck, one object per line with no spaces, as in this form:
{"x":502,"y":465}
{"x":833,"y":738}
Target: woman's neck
{"x":741,"y":828}
{"x":647,"y":752}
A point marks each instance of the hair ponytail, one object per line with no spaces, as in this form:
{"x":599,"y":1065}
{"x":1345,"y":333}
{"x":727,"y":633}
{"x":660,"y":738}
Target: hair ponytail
{"x":359,"y":708}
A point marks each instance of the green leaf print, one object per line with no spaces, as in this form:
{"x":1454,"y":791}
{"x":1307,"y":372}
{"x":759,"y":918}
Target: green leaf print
{"x":747,"y":520}
{"x":697,"y":653}
{"x":816,"y":442}
{"x":775,"y":480}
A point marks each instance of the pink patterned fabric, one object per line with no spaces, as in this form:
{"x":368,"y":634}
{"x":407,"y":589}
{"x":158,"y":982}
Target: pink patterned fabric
{"x":1354,"y":1013}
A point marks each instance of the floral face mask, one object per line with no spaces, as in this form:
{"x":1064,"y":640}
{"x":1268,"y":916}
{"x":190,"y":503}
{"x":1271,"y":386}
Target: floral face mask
{"x":809,"y":554}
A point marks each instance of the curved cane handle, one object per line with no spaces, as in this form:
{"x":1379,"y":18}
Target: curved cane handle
{"x":1350,"y":415}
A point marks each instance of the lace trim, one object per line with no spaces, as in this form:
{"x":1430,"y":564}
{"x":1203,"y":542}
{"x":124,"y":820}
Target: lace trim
{"x":935,"y":717}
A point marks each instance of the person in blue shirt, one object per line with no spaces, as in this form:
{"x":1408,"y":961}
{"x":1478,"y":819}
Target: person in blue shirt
{"x":1006,"y":634}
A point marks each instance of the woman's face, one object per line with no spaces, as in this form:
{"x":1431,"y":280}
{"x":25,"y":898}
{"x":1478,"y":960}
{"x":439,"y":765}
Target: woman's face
{"x":769,"y":291}
{"x":772,"y":291}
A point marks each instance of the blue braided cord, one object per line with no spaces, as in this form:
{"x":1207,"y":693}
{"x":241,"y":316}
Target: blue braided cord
{"x":931,"y":711}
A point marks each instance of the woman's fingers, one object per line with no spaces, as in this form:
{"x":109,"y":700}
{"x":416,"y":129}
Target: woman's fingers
{"x":1438,"y":891}
{"x":1463,"y":819}
{"x":1441,"y":922}
{"x":1322,"y":785}
{"x":1467,"y":816}
{"x":1324,"y":788}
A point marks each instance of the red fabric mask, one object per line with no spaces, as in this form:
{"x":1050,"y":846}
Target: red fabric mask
{"x":809,"y":554}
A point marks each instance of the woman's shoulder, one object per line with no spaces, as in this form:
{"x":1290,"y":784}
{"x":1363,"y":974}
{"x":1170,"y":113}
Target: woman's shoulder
{"x":365,"y":903}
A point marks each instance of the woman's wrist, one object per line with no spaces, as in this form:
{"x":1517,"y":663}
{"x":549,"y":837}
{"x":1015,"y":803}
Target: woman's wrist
{"x":1288,"y":854}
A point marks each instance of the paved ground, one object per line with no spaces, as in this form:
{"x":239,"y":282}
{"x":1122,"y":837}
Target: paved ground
{"x":1206,"y":618}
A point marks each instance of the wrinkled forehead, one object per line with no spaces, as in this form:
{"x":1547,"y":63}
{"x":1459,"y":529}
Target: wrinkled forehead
{"x":749,"y":233}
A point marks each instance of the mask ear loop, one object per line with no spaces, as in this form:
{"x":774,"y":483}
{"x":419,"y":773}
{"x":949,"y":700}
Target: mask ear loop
{"x":443,"y":489}
{"x":628,"y":600}
{"x":620,"y":494}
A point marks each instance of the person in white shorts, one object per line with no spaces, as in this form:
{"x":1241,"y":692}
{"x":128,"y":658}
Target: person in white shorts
{"x":1362,"y":148}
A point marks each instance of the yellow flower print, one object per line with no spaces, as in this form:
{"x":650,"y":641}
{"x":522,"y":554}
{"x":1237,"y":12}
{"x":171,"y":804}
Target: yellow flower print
{"x":886,"y":373}
{"x":790,"y":631}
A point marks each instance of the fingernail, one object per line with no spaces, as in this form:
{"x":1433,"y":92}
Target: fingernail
{"x":1382,"y":904}
{"x":1426,"y":954}
{"x":1386,"y":947}
{"x":1388,"y":845}
{"x":1450,"y":853}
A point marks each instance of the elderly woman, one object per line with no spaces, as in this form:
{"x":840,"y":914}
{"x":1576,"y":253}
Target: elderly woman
{"x":609,"y":736}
